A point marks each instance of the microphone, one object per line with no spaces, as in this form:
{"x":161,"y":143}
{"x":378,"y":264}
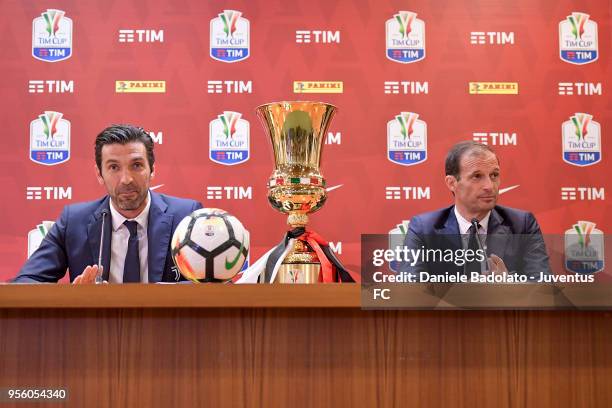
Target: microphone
{"x":99,"y":274}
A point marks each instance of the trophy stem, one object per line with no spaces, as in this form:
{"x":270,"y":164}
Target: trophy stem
{"x":297,"y":220}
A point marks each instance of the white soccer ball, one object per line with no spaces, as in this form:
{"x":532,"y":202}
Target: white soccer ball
{"x":210,"y":245}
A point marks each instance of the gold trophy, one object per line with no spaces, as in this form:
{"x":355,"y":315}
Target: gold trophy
{"x":296,"y":187}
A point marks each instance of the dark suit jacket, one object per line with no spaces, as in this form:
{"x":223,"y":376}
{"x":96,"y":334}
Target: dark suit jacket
{"x":512,"y":234}
{"x":74,"y":241}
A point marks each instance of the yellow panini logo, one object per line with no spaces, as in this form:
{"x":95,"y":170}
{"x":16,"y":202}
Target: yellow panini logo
{"x":318,"y":87}
{"x":494,"y":88}
{"x":140,"y":86}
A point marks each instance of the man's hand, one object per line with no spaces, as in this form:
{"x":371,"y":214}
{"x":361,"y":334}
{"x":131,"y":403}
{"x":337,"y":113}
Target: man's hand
{"x":496,"y":265}
{"x":88,"y":275}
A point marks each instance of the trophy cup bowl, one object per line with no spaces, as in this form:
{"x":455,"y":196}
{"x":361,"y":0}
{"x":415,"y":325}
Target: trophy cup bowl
{"x":297,"y":187}
{"x":296,"y":130}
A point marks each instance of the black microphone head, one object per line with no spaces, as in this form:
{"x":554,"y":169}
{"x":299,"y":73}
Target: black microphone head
{"x":474,"y":221}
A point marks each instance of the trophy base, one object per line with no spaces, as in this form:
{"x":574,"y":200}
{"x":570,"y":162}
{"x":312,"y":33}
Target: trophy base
{"x":298,"y":273}
{"x":299,"y":266}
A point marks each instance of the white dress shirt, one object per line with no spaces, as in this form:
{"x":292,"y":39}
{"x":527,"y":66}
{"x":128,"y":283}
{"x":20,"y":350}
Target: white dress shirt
{"x":464,"y":230}
{"x":119,"y":243}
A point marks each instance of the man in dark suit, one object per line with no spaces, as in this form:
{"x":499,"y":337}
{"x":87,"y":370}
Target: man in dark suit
{"x":510,"y":238}
{"x":138,"y":223}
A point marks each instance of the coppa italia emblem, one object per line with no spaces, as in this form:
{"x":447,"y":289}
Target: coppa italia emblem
{"x":578,"y":39}
{"x":407,"y":139}
{"x":584,"y":248}
{"x":581,"y":140}
{"x":405,"y":37}
{"x":50,"y":139}
{"x":229,"y":37}
{"x":229,"y":139}
{"x":52,"y":36}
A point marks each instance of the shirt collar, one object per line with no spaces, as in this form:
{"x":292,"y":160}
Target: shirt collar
{"x":142,"y":219}
{"x":464,"y":225}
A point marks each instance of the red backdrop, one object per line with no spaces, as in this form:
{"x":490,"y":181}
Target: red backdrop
{"x":359,"y":162}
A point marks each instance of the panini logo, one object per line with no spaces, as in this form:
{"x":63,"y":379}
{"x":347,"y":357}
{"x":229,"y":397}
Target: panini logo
{"x":318,"y":87}
{"x":494,"y":88}
{"x":140,"y":86}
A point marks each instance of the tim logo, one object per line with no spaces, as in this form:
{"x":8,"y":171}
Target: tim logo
{"x":581,"y":140}
{"x":317,"y":36}
{"x":52,"y":36}
{"x":215,"y":86}
{"x":579,"y":88}
{"x":50,"y":139}
{"x":495,"y":138}
{"x":405,"y":35}
{"x":50,"y":86}
{"x":578,"y":39}
{"x":407,"y":193}
{"x":229,"y":139}
{"x":229,"y":37}
{"x":584,"y":248}
{"x":229,"y":192}
{"x":148,"y":36}
{"x":491,"y":37}
{"x":36,"y":236}
{"x":407,"y":139}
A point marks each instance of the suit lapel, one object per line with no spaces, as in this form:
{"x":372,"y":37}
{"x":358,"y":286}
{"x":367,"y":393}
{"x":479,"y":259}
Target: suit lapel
{"x":158,"y":232}
{"x":450,"y":231}
{"x":94,"y":229}
{"x":498,"y":235}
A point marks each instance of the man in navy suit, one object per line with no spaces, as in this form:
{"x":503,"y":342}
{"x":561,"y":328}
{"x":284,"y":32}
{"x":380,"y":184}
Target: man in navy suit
{"x":510,"y":239}
{"x":138,"y":223}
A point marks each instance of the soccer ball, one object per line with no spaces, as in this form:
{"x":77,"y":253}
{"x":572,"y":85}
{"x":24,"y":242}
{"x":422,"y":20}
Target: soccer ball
{"x":210,"y":245}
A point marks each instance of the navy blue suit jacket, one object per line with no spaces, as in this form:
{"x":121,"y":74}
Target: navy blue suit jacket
{"x":74,"y":241}
{"x":512,"y":234}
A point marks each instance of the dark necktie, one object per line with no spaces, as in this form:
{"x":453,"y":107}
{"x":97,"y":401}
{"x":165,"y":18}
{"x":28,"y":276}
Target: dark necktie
{"x":473,"y":266}
{"x":131,"y":267}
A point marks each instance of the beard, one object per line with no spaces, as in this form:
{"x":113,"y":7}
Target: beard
{"x":130,"y":198}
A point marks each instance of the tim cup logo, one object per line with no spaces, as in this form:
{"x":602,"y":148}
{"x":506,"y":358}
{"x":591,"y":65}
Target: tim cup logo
{"x":229,"y":139}
{"x":36,"y":236}
{"x":581,"y":140}
{"x":407,"y":139}
{"x":52,"y":36}
{"x":397,"y":237}
{"x":229,"y":37}
{"x":584,"y":248}
{"x":50,"y":139}
{"x":405,"y":36}
{"x":296,"y":276}
{"x":578,"y":39}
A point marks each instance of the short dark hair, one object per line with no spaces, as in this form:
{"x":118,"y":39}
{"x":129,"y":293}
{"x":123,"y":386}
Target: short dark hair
{"x":456,"y":153}
{"x":124,"y":134}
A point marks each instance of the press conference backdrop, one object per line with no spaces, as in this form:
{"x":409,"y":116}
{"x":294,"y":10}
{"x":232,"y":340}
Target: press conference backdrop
{"x":529,"y":78}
